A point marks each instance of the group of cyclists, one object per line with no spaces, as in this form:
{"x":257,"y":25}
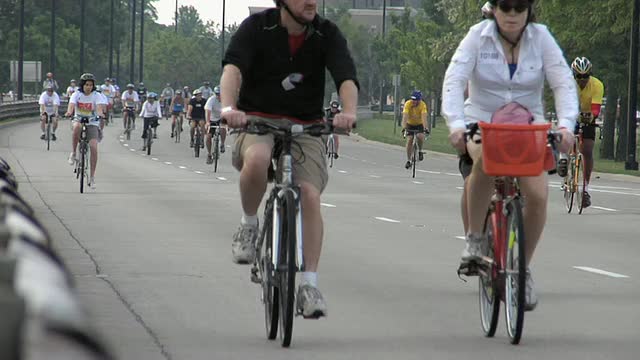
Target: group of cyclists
{"x":274,"y":70}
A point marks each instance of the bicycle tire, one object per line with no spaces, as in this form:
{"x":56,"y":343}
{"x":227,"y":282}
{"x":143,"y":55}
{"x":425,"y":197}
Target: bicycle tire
{"x":579,"y":179}
{"x":269,"y":290}
{"x":149,"y":140}
{"x":48,"y":133}
{"x":414,"y":158}
{"x":330,"y":150}
{"x":216,"y":152}
{"x":488,"y":292}
{"x":568,"y":185}
{"x":82,"y":167}
{"x":515,"y":272}
{"x":287,"y":268}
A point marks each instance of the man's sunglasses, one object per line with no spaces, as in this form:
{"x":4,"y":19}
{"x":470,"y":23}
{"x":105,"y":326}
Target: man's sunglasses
{"x":519,"y":6}
{"x":581,"y":76}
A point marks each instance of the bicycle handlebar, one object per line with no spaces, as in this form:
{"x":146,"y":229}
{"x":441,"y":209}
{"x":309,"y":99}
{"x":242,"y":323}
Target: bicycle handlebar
{"x":261,"y":127}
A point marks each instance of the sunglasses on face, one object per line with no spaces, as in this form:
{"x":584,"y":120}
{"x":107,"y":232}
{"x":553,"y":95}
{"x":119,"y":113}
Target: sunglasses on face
{"x":581,"y":76}
{"x":518,"y":6}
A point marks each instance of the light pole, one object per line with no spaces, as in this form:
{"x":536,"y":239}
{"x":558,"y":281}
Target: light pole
{"x":176,"y":16}
{"x":384,"y":16}
{"x":21,"y":51}
{"x":52,"y":43}
{"x":632,"y":163}
{"x":111,"y":39}
{"x":133,"y":41}
{"x":141,"y":74}
{"x":224,"y":7}
{"x":83,"y":9}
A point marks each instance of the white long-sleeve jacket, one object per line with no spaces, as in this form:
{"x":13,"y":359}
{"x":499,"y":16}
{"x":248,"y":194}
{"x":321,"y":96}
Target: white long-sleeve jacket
{"x":481,"y":63}
{"x":151,"y":110}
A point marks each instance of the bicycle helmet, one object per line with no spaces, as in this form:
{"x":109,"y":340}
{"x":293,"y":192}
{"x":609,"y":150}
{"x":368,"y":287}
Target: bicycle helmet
{"x":206,"y":83}
{"x":168,"y":85}
{"x":416,"y":95}
{"x":581,"y":66}
{"x":179,"y":92}
{"x":334,"y":104}
{"x":153,"y":96}
{"x":131,"y":86}
{"x":216,"y":90}
{"x":73,"y":81}
{"x":107,"y":80}
{"x":48,"y":87}
{"x":283,"y":4}
{"x":197,"y":92}
{"x":141,"y":84}
{"x":87,"y":77}
{"x":487,"y":10}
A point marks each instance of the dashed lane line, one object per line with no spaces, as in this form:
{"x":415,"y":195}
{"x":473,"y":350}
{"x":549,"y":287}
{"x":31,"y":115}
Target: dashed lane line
{"x":603,"y":208}
{"x":386,"y":219}
{"x":601,"y":272}
{"x":327,"y":205}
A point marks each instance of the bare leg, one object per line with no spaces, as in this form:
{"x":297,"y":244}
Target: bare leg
{"x":93,"y":145}
{"x":409,"y":147}
{"x":75,"y":138}
{"x":312,"y":231}
{"x":253,"y":177}
{"x":587,"y":156}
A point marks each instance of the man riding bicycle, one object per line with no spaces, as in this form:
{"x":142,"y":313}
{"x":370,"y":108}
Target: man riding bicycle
{"x":108,"y":91}
{"x":330,"y":114}
{"x":177,"y":108}
{"x":213,"y":107}
{"x":142,"y":92}
{"x":130,"y":100}
{"x":49,"y":102}
{"x":590,"y":94}
{"x":87,"y":103}
{"x":166,"y":96}
{"x":414,"y":118}
{"x":276,"y":63}
{"x":195,"y":113}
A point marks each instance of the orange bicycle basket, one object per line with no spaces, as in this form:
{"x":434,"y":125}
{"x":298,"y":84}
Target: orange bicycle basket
{"x":513,"y":150}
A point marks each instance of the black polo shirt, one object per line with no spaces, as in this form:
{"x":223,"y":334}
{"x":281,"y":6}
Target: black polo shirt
{"x":270,"y":81}
{"x":198,"y":108}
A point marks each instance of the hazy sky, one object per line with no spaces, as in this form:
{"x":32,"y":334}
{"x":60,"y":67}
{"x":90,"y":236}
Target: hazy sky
{"x":237,"y":10}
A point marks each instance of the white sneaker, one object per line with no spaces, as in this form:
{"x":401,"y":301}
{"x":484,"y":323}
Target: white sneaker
{"x":92,"y":183}
{"x":72,"y":159}
{"x":310,"y":303}
{"x":473,"y":249}
{"x":243,"y":246}
{"x":531,"y":300}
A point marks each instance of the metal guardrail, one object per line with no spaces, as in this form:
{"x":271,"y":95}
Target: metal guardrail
{"x":24,"y":108}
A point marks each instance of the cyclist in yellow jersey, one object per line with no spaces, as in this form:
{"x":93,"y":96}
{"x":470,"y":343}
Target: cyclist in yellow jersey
{"x":414,"y":117}
{"x":590,"y":94}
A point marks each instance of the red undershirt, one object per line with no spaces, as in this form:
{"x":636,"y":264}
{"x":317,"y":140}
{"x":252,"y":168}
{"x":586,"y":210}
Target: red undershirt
{"x":295,"y":43}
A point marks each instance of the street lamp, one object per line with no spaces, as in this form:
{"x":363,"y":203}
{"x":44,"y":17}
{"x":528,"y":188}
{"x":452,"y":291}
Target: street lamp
{"x":632,"y":163}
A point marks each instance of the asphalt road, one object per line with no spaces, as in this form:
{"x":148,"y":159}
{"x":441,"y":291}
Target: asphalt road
{"x":150,"y":251}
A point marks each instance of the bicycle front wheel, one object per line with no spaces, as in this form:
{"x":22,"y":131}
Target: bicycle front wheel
{"x":267,"y":272}
{"x":196,"y":146}
{"x":287,"y":267}
{"x":579,"y":181}
{"x":149,"y":140}
{"x":330,"y":150}
{"x":83,"y":163}
{"x":515,"y":272}
{"x":216,"y":152}
{"x":414,"y":158}
{"x":569,"y":186}
{"x":48,"y":134}
{"x":488,"y":291}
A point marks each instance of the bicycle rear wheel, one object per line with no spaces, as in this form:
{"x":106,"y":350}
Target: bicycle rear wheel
{"x":330,"y":150}
{"x":515,"y":272}
{"x":83,"y":152}
{"x":580,"y":182}
{"x":568,"y":186}
{"x":488,"y":282}
{"x":149,"y":140}
{"x":287,"y":267}
{"x":48,"y":133}
{"x":216,"y":151}
{"x":196,"y":145}
{"x":270,"y":297}
{"x":414,"y":159}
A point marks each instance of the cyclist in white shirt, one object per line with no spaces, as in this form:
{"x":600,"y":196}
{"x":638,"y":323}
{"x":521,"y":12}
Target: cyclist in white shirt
{"x":206,"y":90}
{"x":71,"y":88}
{"x":130,"y":100}
{"x":87,"y":103}
{"x":151,"y":112}
{"x":49,"y":102}
{"x":109,"y":91}
{"x":213,"y":108}
{"x":166,"y":96}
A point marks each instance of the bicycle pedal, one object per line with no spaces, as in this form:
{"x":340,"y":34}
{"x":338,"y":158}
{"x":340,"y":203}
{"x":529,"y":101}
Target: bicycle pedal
{"x":468,"y":269}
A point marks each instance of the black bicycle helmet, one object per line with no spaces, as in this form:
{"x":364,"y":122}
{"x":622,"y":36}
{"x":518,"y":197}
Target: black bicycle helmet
{"x":87,"y":77}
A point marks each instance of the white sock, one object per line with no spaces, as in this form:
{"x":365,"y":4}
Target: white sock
{"x":586,"y":187}
{"x":249,"y":220}
{"x":309,"y":278}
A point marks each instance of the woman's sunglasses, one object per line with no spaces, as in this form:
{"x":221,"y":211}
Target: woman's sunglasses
{"x":519,"y":7}
{"x":581,"y":76}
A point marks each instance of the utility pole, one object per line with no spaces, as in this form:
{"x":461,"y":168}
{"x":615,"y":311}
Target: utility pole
{"x":133,"y":41}
{"x":384,"y":18}
{"x":141,"y":75}
{"x":21,"y":51}
{"x":52,"y":43}
{"x":632,"y":163}
{"x":323,"y":10}
{"x":176,"y":25}
{"x":83,"y":9}
{"x":111,"y":39}
{"x":224,"y":7}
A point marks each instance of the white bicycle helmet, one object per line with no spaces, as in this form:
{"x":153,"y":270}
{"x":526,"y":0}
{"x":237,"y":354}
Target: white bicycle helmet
{"x":581,"y":66}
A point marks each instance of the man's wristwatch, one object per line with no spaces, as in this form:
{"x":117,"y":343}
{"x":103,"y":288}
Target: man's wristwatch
{"x":226,"y":109}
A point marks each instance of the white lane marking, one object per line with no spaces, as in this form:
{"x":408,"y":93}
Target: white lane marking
{"x":418,"y":182}
{"x":601,"y":272}
{"x":327,"y":205}
{"x":121,"y":136}
{"x":603,"y":208}
{"x":459,"y":188}
{"x":342,"y":171}
{"x":461,"y":237}
{"x":132,"y":149}
{"x":374,"y":176}
{"x":127,"y":145}
{"x":452,"y":174}
{"x":386,"y":219}
{"x":154,"y":159}
{"x":182,"y":167}
{"x":168,"y":162}
{"x":613,"y":192}
{"x":121,"y":140}
{"x":429,"y":172}
{"x":198,"y":172}
{"x":221,"y":178}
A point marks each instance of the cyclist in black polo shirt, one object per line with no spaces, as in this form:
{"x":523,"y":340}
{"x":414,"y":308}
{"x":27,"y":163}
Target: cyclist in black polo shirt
{"x":195,"y":112}
{"x":276,"y":63}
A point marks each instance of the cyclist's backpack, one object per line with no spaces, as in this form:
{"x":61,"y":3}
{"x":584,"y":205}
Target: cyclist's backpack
{"x":512,"y":113}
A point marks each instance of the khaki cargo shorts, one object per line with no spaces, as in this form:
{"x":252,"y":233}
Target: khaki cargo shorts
{"x":309,"y":160}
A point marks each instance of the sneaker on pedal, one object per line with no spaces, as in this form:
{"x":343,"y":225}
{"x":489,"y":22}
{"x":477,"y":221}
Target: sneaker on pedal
{"x":563,"y":165}
{"x":209,"y":159}
{"x":407,"y":165}
{"x":53,"y":137}
{"x":335,"y":155}
{"x":243,"y":246}
{"x":191,"y":143}
{"x":222,"y":149}
{"x":310,"y":303}
{"x":92,"y":183}
{"x":531,"y":300}
{"x":144,"y":148}
{"x":155,"y":136}
{"x":42,"y":137}
{"x":586,"y":200}
{"x":72,"y":159}
{"x":420,"y":156}
{"x":473,"y":249}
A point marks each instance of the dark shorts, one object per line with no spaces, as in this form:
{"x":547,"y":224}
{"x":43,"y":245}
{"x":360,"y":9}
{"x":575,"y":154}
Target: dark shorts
{"x":588,"y":131}
{"x":415,"y":128}
{"x":176,"y":113}
{"x":465,"y":164}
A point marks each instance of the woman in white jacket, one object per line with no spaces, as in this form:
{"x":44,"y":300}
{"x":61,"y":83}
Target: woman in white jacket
{"x":504,"y":59}
{"x":151,"y":112}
